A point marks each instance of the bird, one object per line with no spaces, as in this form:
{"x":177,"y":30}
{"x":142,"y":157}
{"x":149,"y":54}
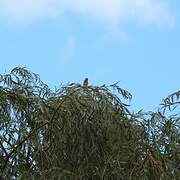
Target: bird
{"x":85,"y":82}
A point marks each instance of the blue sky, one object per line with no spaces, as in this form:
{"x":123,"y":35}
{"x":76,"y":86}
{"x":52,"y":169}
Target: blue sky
{"x":135,"y":42}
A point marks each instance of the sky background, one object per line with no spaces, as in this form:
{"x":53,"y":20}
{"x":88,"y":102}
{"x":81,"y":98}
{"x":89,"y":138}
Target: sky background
{"x":135,"y":42}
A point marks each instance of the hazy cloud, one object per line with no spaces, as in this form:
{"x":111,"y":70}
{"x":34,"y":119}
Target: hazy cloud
{"x":106,"y":11}
{"x":67,"y":51}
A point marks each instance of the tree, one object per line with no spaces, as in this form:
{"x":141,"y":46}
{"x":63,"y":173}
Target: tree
{"x":78,"y":132}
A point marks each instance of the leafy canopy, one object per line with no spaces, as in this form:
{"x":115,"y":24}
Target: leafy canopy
{"x":78,"y":132}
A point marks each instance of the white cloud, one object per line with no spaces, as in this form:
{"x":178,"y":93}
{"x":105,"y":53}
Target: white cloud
{"x":28,"y":10}
{"x":106,"y":11}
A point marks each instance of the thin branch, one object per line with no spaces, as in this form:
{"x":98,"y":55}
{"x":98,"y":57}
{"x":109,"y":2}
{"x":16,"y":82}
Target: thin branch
{"x":3,"y":148}
{"x":26,"y":138}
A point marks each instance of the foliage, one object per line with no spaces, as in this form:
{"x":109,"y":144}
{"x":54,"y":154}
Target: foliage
{"x":79,"y":132}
